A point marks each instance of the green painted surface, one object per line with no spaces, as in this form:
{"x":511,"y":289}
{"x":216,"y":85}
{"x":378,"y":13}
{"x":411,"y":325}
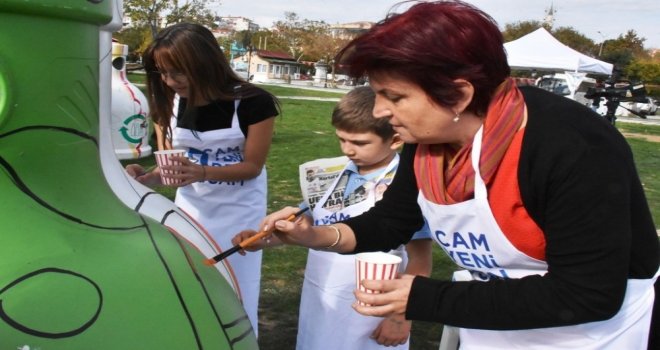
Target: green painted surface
{"x":78,"y":269}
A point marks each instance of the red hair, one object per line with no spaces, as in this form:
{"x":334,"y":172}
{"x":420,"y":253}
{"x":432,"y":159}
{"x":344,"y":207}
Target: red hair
{"x":432,"y":44}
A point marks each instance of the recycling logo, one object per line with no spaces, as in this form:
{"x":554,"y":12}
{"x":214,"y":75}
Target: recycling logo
{"x":134,"y":129}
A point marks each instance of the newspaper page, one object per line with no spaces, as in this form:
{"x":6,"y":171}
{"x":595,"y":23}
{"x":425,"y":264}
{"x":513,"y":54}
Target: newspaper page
{"x":317,"y":176}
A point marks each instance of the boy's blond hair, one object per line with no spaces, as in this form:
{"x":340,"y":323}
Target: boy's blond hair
{"x":354,"y":113}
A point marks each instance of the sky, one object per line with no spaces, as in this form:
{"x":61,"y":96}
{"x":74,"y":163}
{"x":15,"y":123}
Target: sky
{"x":598,"y":20}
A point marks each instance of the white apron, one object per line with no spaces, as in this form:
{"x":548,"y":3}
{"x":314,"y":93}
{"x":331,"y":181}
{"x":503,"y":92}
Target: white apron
{"x":225,"y":208}
{"x":326,"y":318}
{"x":469,"y":234}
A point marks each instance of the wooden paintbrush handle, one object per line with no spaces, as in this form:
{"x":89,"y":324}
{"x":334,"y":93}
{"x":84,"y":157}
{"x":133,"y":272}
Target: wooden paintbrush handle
{"x":262,"y":234}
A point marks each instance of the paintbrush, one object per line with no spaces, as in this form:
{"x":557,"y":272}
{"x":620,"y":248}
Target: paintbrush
{"x":247,"y":242}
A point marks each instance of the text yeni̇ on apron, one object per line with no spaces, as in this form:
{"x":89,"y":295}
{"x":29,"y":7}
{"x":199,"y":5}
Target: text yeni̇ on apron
{"x":327,"y":320}
{"x":469,"y":234}
{"x":224,"y":208}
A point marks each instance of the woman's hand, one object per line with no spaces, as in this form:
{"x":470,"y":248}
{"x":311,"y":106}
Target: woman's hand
{"x":147,"y":178}
{"x":297,"y":232}
{"x":259,"y":244}
{"x":392,"y":298}
{"x":187,"y":172}
{"x":392,"y":331}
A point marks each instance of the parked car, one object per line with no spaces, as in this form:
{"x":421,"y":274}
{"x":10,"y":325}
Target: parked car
{"x":558,"y":84}
{"x":649,"y":107}
{"x":243,"y":73}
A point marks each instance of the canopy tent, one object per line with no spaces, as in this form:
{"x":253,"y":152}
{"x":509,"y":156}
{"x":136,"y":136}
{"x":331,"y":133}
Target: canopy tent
{"x":540,"y":50}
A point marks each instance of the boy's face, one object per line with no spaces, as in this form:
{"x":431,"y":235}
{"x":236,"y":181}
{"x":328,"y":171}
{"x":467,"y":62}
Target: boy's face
{"x":366,"y":149}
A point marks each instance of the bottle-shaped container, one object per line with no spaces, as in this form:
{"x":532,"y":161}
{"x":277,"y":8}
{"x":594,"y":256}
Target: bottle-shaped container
{"x":78,"y":268}
{"x":130,"y":123}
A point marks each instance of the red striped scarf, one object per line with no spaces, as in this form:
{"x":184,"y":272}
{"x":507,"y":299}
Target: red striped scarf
{"x":445,"y":175}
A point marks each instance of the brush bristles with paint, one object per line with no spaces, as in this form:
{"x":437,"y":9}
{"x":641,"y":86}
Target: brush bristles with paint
{"x":212,"y":261}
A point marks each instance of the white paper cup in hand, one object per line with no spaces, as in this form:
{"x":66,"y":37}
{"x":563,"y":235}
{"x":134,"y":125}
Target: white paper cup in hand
{"x":375,"y":266}
{"x":163,"y":158}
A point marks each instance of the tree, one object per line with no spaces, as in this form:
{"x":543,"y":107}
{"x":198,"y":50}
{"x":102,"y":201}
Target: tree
{"x":644,"y":70}
{"x":243,"y":38}
{"x":566,"y":35}
{"x":576,"y":41}
{"x":325,"y":47}
{"x":290,"y":34}
{"x":626,"y":52}
{"x":136,"y":37}
{"x":513,"y":31}
{"x":157,"y":13}
{"x":194,"y":11}
{"x":623,"y":50}
{"x":305,"y":40}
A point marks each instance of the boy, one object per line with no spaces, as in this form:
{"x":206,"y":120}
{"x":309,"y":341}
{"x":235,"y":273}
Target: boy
{"x":352,"y":185}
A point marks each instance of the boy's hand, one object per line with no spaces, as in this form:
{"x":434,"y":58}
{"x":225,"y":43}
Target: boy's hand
{"x":392,"y":331}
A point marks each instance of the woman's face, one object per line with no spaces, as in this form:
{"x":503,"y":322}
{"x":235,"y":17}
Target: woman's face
{"x":176,"y":80}
{"x":411,"y":112}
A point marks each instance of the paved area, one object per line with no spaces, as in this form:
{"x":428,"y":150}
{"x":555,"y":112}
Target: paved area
{"x":309,"y":85}
{"x":650,"y":120}
{"x":332,"y":99}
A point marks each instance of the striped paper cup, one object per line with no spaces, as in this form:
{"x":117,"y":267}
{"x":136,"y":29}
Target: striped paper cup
{"x":163,"y":158}
{"x":375,"y":266}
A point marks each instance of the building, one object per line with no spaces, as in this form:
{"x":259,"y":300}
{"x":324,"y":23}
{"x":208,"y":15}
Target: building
{"x":229,"y":24}
{"x":267,"y":66}
{"x":349,"y":30}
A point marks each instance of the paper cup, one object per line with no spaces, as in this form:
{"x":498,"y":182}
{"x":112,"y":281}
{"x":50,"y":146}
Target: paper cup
{"x":163,"y":158}
{"x":375,"y":266}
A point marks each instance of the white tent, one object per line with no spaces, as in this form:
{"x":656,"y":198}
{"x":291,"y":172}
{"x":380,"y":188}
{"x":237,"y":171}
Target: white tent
{"x":540,"y":50}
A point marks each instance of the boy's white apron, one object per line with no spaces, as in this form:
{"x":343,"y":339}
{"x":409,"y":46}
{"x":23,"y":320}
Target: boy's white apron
{"x":326,"y":319}
{"x":469,"y":234}
{"x":225,"y":208}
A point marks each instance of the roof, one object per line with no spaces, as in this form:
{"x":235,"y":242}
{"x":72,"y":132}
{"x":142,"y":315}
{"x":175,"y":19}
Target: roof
{"x":275,"y":55}
{"x":540,"y":50}
{"x":271,"y":60}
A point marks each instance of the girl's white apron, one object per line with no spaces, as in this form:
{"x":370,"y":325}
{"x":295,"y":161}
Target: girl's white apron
{"x":225,"y":208}
{"x":469,"y":234}
{"x":326,"y":319}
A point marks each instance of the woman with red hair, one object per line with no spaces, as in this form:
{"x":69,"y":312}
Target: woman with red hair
{"x":534,"y":196}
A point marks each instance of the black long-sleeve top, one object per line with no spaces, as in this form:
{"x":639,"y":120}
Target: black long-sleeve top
{"x":578,"y":182}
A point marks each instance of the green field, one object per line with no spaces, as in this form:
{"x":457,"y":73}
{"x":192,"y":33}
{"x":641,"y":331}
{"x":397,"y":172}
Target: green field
{"x":303,"y":133}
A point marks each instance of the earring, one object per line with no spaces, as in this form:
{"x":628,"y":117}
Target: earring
{"x":457,"y":117}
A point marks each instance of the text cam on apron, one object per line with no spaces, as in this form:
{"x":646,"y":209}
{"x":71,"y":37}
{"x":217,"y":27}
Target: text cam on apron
{"x":225,"y":208}
{"x":469,"y":234}
{"x":325,"y":306}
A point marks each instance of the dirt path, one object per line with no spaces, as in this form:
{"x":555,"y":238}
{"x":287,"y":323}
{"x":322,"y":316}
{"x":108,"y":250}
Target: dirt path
{"x":651,"y":138}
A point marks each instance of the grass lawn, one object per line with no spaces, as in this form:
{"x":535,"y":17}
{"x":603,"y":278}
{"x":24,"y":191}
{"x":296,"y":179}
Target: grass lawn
{"x":303,"y":133}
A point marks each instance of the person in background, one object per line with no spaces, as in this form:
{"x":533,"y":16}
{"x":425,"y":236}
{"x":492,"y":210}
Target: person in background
{"x":539,"y":202}
{"x":327,"y":293}
{"x":225,"y":125}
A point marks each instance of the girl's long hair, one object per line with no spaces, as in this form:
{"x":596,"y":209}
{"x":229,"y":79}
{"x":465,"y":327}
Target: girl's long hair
{"x":190,"y":49}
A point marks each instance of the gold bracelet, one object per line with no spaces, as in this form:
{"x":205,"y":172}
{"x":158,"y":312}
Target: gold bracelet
{"x":203,"y":173}
{"x":338,"y":232}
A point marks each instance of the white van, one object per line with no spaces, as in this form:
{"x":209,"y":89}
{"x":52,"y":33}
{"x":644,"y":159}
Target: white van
{"x":570,"y":85}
